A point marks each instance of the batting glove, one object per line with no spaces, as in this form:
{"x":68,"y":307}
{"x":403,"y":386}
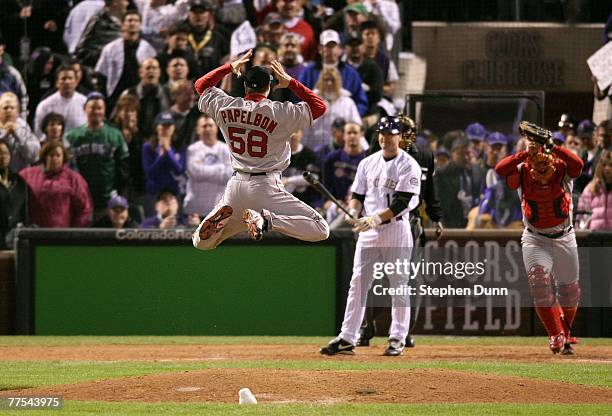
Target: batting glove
{"x":367,"y":223}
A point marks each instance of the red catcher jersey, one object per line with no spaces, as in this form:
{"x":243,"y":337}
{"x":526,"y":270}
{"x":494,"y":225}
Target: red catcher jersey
{"x":257,"y":133}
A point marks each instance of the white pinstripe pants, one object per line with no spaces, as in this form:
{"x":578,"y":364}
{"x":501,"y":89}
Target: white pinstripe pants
{"x":387,"y":243}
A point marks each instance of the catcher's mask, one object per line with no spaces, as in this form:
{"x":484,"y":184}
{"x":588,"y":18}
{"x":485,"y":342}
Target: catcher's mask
{"x":541,"y":166}
{"x":408,"y":131}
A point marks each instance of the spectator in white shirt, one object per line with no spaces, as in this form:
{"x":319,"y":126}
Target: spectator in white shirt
{"x":208,"y":169}
{"x":66,"y":101}
{"x":158,"y":17}
{"x":121,"y":59}
{"x":77,"y":20}
{"x":339,"y":104}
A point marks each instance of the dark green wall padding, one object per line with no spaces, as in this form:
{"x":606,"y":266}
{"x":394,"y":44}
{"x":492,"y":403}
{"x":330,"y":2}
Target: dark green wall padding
{"x":233,"y":290}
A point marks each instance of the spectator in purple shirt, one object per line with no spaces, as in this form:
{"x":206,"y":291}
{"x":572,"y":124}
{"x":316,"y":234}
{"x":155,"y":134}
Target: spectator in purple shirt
{"x":163,"y":161}
{"x":340,"y":166}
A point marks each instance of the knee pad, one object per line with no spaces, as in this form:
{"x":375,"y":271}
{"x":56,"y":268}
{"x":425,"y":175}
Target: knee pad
{"x":540,"y":285}
{"x":569,"y":295}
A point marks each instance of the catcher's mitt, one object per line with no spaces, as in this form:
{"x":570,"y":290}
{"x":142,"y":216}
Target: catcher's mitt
{"x":537,"y":134}
{"x":408,"y":131}
{"x":541,"y":166}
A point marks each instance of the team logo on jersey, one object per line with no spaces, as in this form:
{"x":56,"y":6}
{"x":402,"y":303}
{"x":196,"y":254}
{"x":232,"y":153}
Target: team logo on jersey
{"x":414,"y":181}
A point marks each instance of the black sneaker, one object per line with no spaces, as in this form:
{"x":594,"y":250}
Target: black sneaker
{"x":395,"y":348}
{"x":363,"y":342}
{"x":567,"y":349}
{"x":338,"y":346}
{"x":410,"y":341}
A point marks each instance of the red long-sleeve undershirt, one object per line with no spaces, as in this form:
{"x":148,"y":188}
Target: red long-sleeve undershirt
{"x":573,"y":163}
{"x":509,"y":165}
{"x":212,"y":78}
{"x":316,"y":104}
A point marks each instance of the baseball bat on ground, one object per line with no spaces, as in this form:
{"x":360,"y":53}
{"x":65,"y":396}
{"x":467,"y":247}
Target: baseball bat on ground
{"x":312,"y":180}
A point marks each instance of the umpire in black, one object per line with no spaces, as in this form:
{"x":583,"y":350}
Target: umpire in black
{"x":425,"y":159}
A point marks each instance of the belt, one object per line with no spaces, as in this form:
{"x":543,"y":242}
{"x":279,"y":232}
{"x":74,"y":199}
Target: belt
{"x":392,"y":219}
{"x":251,"y":174}
{"x":555,"y":235}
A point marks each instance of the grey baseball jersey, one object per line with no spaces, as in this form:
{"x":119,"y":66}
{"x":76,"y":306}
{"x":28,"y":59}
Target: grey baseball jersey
{"x":257,"y":132}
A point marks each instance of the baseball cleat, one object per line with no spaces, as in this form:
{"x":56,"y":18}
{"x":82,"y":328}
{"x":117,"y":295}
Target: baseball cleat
{"x":254,"y":222}
{"x":215,"y":222}
{"x":395,"y":348}
{"x":338,"y":346}
{"x":410,"y":341}
{"x":556,"y":342}
{"x":567,"y":349}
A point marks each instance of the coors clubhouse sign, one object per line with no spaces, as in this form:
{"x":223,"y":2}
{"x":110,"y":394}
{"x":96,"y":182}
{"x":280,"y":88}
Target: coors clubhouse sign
{"x":543,"y":175}
{"x":257,"y":131}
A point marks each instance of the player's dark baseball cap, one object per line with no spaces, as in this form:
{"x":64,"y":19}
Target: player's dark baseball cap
{"x":389,"y":125}
{"x":257,"y":77}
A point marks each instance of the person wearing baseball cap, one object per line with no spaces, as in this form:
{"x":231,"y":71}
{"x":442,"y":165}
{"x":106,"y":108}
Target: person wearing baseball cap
{"x":370,"y":73}
{"x":117,"y":215}
{"x":163,"y":160}
{"x":495,"y":150}
{"x":330,"y":49}
{"x":476,"y":134}
{"x":208,"y":41}
{"x":558,"y":138}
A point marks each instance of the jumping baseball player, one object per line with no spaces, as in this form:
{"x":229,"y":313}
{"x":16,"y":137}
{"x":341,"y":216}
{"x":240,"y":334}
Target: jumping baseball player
{"x":543,"y":175}
{"x":257,"y":131}
{"x":386,"y":188}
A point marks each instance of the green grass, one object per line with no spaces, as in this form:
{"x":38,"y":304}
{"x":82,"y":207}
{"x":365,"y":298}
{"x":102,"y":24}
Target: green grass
{"x":470,"y":409}
{"x":255,"y":340}
{"x":19,"y":374}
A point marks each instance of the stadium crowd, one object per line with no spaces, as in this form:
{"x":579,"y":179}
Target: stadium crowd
{"x":99,"y":124}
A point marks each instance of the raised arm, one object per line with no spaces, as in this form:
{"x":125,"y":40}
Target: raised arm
{"x":573,"y":163}
{"x":509,"y":164}
{"x":216,"y":75}
{"x":316,"y":104}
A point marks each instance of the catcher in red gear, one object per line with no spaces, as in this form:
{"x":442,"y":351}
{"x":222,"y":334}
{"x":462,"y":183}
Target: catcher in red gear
{"x":543,"y":176}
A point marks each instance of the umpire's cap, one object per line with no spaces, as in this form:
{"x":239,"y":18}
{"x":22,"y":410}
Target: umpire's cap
{"x":389,"y":124}
{"x":257,"y":77}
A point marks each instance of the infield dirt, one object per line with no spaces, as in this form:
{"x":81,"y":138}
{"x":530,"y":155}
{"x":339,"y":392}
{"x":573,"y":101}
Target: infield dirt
{"x":271,"y":385}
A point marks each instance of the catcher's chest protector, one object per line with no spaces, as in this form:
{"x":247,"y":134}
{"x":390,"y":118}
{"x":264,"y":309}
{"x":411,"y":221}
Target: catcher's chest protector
{"x":545,"y":205}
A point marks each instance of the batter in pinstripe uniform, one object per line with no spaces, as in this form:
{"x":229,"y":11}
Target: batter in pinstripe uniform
{"x":386,"y":188}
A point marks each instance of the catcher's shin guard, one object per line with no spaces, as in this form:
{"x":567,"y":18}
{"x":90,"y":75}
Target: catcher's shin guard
{"x":569,"y":298}
{"x":540,"y":285}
